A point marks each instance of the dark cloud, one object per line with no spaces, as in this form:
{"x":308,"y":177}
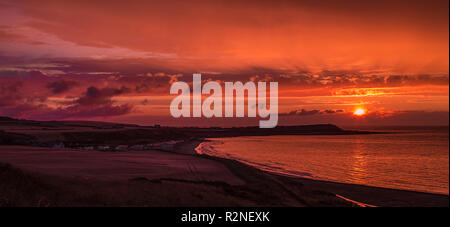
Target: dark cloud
{"x":94,"y":102}
{"x":125,"y":66}
{"x":396,"y":79}
{"x":17,"y":74}
{"x":333,"y":111}
{"x":100,"y":96}
{"x":147,"y":76}
{"x":61,"y":86}
{"x":304,"y":112}
{"x":78,"y":111}
{"x":10,"y":93}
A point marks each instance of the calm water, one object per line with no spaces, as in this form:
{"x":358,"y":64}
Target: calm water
{"x":413,"y":160}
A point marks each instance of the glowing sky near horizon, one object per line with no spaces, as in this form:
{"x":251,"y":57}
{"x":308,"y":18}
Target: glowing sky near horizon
{"x":115,"y":60}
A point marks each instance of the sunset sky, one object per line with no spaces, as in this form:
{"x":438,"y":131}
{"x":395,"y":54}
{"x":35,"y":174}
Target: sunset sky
{"x":115,"y":60}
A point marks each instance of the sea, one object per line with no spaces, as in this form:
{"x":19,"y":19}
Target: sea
{"x":414,"y":159}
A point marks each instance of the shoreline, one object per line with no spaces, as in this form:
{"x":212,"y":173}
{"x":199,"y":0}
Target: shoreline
{"x":180,"y":178}
{"x":360,"y":195}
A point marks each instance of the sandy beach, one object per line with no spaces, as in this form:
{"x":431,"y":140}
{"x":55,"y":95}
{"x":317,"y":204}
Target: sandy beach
{"x":64,"y":177}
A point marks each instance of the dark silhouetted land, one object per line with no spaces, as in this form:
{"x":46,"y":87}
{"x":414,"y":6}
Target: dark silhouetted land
{"x":72,"y":163}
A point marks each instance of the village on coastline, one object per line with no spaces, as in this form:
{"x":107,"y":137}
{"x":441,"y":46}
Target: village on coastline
{"x":163,"y":146}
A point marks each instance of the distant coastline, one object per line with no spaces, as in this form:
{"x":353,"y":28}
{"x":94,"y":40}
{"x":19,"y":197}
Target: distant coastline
{"x":93,"y":134}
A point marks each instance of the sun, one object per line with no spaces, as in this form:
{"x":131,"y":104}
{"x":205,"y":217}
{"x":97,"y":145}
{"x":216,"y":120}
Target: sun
{"x":359,"y":112}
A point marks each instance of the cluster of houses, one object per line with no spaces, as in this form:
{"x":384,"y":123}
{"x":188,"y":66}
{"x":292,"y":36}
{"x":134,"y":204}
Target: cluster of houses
{"x":164,"y":146}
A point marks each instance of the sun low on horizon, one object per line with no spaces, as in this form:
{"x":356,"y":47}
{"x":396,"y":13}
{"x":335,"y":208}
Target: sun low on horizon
{"x":360,"y":112}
